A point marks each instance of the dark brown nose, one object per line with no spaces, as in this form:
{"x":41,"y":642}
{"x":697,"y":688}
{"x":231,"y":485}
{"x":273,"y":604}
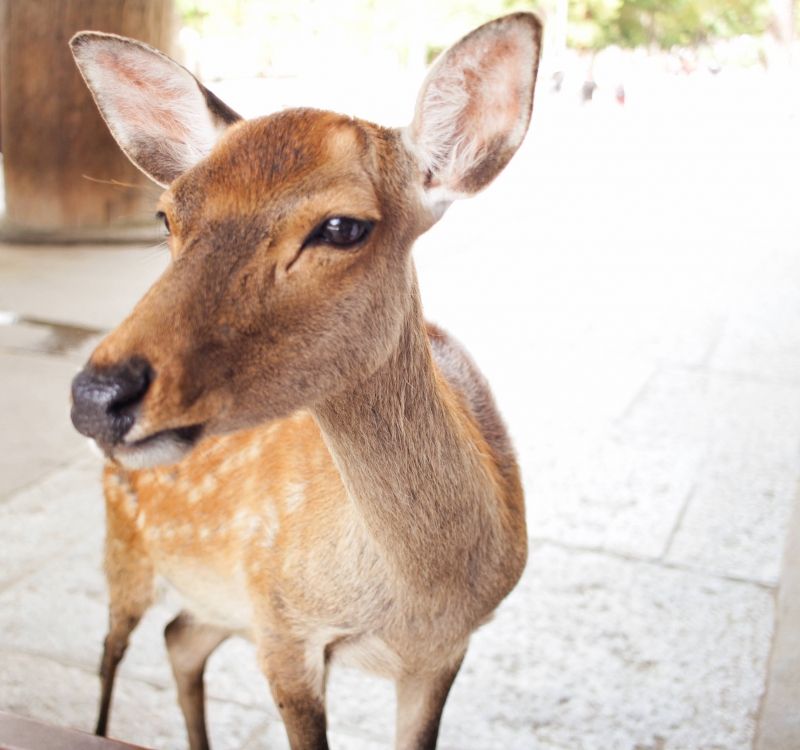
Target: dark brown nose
{"x":104,"y":400}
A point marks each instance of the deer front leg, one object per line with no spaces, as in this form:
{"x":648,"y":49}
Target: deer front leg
{"x":420,"y":702}
{"x":120,"y":627}
{"x":189,"y":644}
{"x":129,"y":575}
{"x":125,"y":610}
{"x":297,"y":683}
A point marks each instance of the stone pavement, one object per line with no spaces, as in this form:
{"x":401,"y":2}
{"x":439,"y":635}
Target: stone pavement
{"x":631,"y":287}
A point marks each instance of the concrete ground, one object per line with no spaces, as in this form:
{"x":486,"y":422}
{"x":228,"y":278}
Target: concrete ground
{"x":631,"y":287}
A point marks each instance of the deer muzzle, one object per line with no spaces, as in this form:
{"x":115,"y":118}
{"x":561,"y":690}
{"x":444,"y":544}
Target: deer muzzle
{"x":104,"y":401}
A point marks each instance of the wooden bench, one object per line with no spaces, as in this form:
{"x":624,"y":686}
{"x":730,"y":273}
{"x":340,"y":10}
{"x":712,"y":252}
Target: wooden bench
{"x":18,"y":733}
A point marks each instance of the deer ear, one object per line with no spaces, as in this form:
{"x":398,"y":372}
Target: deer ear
{"x":161,"y":116}
{"x":474,"y":107}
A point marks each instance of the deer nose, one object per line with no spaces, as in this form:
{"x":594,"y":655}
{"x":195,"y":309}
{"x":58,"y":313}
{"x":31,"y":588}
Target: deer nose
{"x":104,"y":400}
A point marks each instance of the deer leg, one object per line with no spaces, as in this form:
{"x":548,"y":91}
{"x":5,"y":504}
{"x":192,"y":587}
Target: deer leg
{"x":420,"y":702}
{"x":120,"y":628}
{"x":128,"y":604}
{"x":189,"y":644}
{"x":129,"y":575}
{"x":298,"y":687}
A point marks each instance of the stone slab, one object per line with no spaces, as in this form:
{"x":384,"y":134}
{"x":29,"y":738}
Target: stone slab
{"x":762,"y":334}
{"x":145,"y":714}
{"x":587,"y":648}
{"x":748,"y":433}
{"x":42,"y":523}
{"x":595,"y":652}
{"x":609,"y":494}
{"x":90,"y":286}
{"x":37,"y":435}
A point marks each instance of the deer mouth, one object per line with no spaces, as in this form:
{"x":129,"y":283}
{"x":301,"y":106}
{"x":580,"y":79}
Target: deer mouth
{"x":159,"y":449}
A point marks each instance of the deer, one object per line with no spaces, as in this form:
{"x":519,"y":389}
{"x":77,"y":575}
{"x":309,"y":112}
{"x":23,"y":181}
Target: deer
{"x":287,"y":441}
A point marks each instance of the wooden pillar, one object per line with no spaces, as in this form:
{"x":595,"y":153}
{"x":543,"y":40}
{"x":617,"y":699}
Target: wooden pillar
{"x":58,"y":156}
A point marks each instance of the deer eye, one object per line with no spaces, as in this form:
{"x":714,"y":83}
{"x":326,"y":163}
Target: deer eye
{"x":161,"y":216}
{"x":340,"y":231}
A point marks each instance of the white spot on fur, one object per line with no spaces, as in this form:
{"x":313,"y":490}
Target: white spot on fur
{"x":168,"y":532}
{"x":295,"y":496}
{"x":169,"y":477}
{"x":261,"y":527}
{"x":131,"y":501}
{"x":146,"y":480}
{"x":233,"y":461}
{"x":254,"y":525}
{"x":207,"y":486}
{"x":264,"y":529}
{"x":240,"y":518}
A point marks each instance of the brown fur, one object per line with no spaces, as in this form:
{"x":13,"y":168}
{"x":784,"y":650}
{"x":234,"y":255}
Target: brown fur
{"x":355,"y":496}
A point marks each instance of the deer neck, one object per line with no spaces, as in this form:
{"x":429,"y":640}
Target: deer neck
{"x":414,"y":465}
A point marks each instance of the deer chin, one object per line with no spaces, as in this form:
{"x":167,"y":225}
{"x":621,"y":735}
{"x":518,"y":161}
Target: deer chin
{"x":160,"y":449}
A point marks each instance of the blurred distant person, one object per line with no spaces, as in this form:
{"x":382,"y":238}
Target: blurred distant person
{"x":687,"y":61}
{"x":587,"y":90}
{"x":619,"y":94}
{"x":556,"y":81}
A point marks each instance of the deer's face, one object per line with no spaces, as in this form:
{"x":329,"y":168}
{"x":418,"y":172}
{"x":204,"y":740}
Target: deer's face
{"x":290,"y":277}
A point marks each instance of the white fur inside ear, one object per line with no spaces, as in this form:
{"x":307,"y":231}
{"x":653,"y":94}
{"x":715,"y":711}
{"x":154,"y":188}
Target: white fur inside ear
{"x":155,"y":108}
{"x":474,"y":107}
{"x":436,"y":137}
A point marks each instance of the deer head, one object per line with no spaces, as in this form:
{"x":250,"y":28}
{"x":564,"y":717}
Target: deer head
{"x":289,"y":235}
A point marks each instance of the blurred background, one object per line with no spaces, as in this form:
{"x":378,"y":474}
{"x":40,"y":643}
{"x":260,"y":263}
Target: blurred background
{"x":630,"y":285}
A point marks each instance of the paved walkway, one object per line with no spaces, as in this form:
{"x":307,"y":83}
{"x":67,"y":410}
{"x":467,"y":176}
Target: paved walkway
{"x":632,"y":289}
